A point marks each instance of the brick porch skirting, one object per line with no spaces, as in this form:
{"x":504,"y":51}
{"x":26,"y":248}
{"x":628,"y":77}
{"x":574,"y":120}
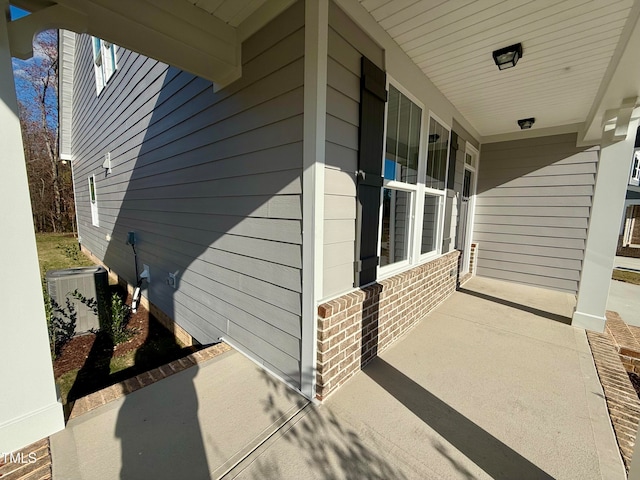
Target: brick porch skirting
{"x":354,"y":328}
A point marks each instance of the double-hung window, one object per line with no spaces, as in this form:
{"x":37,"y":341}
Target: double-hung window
{"x":434,"y":187}
{"x":104,"y":61}
{"x":413,"y":192}
{"x":401,"y":160}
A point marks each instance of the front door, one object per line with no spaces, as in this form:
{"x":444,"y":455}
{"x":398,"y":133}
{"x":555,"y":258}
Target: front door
{"x":465,"y":217}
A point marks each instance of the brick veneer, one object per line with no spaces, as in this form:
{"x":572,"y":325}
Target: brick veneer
{"x":354,"y":328}
{"x":621,"y":398}
{"x":130,"y":385}
{"x":33,"y":462}
{"x":628,"y":251}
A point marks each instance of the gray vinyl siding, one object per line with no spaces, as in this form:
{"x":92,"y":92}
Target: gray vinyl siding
{"x":430,"y":223}
{"x":532,"y":210}
{"x":401,"y":230}
{"x":211,"y":184}
{"x":347,"y":44}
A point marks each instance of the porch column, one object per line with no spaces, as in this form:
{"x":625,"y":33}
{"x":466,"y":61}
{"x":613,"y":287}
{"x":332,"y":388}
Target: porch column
{"x":29,"y":409}
{"x":602,"y":238}
{"x":316,"y":16}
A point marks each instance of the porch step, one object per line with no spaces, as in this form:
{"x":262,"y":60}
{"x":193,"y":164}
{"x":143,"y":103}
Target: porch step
{"x":626,"y":340}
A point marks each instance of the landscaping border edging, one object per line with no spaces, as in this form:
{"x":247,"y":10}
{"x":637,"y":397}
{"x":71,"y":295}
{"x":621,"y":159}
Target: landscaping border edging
{"x":109,"y":394}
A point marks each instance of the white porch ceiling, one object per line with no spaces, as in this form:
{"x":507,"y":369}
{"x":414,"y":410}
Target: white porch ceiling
{"x":233,"y":12}
{"x":571,"y":48}
{"x":580,"y":57}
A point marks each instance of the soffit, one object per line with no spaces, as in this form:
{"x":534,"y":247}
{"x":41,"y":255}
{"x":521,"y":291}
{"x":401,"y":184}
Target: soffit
{"x":232,"y":12}
{"x":568,"y":50}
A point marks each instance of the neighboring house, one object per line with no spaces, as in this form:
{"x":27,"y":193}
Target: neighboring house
{"x":629,"y":242}
{"x":350,"y":164}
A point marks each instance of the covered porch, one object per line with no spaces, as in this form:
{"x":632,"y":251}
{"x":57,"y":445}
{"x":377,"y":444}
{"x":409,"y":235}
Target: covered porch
{"x":604,"y":115}
{"x":493,"y":384}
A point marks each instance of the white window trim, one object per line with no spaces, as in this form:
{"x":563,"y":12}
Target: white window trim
{"x":102,"y":73}
{"x":427,"y":257}
{"x":396,"y":267}
{"x":418,"y":191}
{"x":93,"y":201}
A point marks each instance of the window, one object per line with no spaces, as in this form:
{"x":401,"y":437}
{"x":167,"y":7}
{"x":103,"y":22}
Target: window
{"x":413,"y":194}
{"x":635,"y":169}
{"x":434,"y":186}
{"x":104,"y":61}
{"x":402,"y":152}
{"x":94,"y":201}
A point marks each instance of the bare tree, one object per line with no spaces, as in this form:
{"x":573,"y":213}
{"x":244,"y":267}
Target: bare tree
{"x":49,"y":179}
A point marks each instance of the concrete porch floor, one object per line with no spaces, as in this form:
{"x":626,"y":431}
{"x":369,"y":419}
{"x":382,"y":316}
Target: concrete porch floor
{"x":493,"y":384}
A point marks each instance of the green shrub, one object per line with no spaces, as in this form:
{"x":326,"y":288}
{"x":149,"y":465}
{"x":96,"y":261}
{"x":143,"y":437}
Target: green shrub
{"x":119,"y":317}
{"x":113,"y":318}
{"x":61,"y":323}
{"x":62,"y":319}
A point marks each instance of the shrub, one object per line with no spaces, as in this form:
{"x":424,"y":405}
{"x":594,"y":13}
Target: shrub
{"x":62,"y":319}
{"x":113,"y":318}
{"x":61,"y":323}
{"x":119,"y":315}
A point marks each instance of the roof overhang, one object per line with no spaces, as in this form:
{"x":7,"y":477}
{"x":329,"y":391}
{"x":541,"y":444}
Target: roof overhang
{"x":591,"y":88}
{"x":178,"y":33}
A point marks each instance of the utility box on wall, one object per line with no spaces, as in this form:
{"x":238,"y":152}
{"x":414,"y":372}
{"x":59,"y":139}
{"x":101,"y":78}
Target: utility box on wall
{"x":91,"y":283}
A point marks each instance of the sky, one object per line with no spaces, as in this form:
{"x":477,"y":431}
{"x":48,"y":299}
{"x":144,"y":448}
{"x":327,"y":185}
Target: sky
{"x":23,"y":92}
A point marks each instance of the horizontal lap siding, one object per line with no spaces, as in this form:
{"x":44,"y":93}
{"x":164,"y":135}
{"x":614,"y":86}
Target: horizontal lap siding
{"x":347,"y":44}
{"x":211,"y":184}
{"x":532,"y":212}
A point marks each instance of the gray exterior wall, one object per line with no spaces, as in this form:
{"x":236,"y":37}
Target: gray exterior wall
{"x":347,"y":44}
{"x":532,"y":210}
{"x":211,"y":184}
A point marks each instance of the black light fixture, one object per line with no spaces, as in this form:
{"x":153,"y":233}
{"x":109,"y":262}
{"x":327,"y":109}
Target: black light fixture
{"x":507,"y":57}
{"x":526,"y":123}
{"x":434,"y":137}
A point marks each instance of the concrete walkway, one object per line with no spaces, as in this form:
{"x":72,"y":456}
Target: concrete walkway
{"x":493,"y":384}
{"x":624,"y":298}
{"x":195,"y":424}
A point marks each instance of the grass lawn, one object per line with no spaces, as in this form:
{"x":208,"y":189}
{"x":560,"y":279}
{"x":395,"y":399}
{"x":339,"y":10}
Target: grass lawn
{"x":626,"y":276}
{"x":59,"y":250}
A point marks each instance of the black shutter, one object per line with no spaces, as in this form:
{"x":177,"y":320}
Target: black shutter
{"x":373,"y":95}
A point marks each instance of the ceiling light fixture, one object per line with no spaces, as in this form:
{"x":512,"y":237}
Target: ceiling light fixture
{"x":507,"y":57}
{"x":526,"y":123}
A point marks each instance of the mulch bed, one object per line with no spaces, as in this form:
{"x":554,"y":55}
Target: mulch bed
{"x":91,"y":354}
{"x":75,"y":353}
